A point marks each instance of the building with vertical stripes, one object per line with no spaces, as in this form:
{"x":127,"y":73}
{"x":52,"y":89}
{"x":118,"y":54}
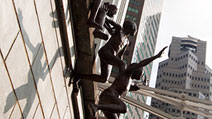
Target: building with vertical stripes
{"x":146,"y":14}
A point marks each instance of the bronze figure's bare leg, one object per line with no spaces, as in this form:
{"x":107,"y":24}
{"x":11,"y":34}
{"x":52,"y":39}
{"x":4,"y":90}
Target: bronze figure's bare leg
{"x":106,"y":57}
{"x":95,"y":77}
{"x":94,"y":10}
{"x":99,"y":34}
{"x":110,"y":115}
{"x":111,"y":59}
{"x":113,"y":105}
{"x":109,"y":104}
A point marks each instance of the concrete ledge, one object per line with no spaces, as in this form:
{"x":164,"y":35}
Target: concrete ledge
{"x":85,"y":49}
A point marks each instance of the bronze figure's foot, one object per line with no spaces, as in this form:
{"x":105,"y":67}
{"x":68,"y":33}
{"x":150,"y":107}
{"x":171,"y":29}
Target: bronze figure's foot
{"x":70,"y":74}
{"x":76,"y":81}
{"x":99,"y":34}
{"x":76,"y":87}
{"x":93,"y":109}
{"x":73,"y":77}
{"x":91,"y":23}
{"x":76,"y":84}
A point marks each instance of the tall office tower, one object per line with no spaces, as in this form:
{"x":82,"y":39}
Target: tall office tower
{"x":146,"y":14}
{"x":184,"y":71}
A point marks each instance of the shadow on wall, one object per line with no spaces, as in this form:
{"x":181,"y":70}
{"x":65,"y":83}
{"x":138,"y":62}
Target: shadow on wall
{"x":55,"y":19}
{"x":40,"y":71}
{"x":55,"y":23}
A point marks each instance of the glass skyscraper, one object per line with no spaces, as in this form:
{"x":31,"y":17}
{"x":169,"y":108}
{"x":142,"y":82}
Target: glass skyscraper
{"x":146,"y":14}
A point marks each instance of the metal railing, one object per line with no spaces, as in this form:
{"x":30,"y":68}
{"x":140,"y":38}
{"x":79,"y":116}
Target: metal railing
{"x":182,"y":101}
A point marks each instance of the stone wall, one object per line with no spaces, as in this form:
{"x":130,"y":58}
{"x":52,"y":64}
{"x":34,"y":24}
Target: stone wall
{"x":32,"y":64}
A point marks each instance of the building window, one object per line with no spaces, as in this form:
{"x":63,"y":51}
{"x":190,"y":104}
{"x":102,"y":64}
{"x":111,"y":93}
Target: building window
{"x":133,"y":10}
{"x":131,"y":17}
{"x":173,"y":110}
{"x":134,"y":2}
{"x":129,"y":107}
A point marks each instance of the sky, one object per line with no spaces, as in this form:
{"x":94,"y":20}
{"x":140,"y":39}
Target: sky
{"x":181,"y":18}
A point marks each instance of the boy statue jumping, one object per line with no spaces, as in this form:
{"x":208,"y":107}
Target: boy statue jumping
{"x":109,"y":101}
{"x":112,"y":52}
{"x":105,"y":10}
